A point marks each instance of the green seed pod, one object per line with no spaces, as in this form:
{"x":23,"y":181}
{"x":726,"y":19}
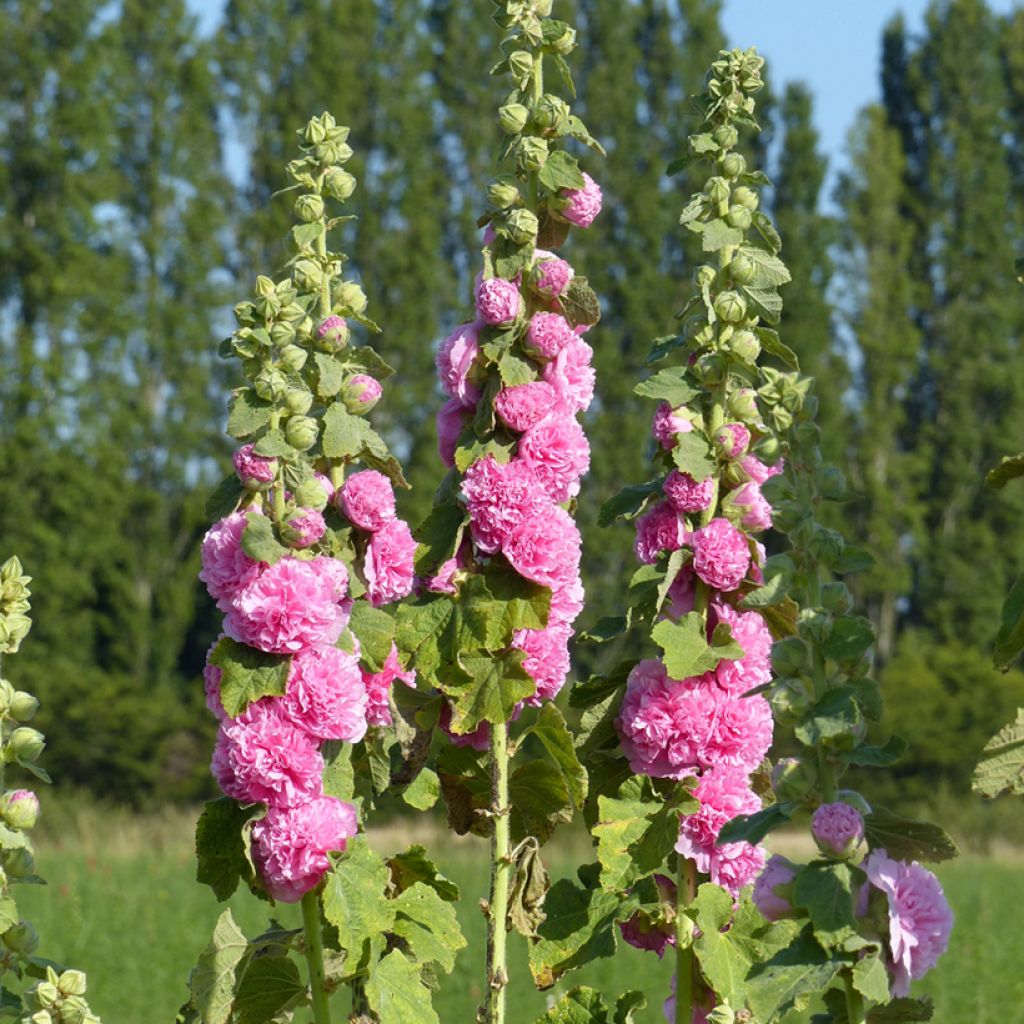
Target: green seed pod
{"x":726,"y":135}
{"x":814,"y":625}
{"x":265,"y":287}
{"x":826,"y":545}
{"x":311,"y":494}
{"x":733,"y":165}
{"x":793,"y":779}
{"x":339,"y":184}
{"x":245,"y":314}
{"x":309,"y":207}
{"x":550,"y":111}
{"x":520,"y":65}
{"x":350,"y":295}
{"x":746,"y":197}
{"x":768,"y":449}
{"x":738,"y":217}
{"x":503,"y":192}
{"x":742,"y":269}
{"x":26,"y":743}
{"x":301,"y":432}
{"x":41,"y":1017}
{"x":531,"y":154}
{"x":731,"y":307}
{"x":282,"y":334}
{"x":742,"y":405}
{"x":512,"y":118}
{"x":294,"y":357}
{"x":332,"y":152}
{"x":22,"y":938}
{"x":299,"y":401}
{"x":522,"y":226}
{"x":270,"y":384}
{"x":74,"y":1010}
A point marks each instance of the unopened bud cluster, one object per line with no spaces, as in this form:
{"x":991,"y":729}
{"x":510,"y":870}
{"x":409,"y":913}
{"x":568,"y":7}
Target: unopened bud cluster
{"x":58,"y":999}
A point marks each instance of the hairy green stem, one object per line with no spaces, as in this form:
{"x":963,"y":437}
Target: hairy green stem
{"x":315,"y":957}
{"x":501,"y":876}
{"x":277,"y":489}
{"x":686,"y":890}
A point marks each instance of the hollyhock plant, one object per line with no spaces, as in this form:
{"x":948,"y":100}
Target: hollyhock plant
{"x":778,"y":871}
{"x":686,"y":495}
{"x":498,"y":301}
{"x":837,"y":828}
{"x":551,"y":275}
{"x":548,"y":334}
{"x":668,"y":424}
{"x":659,"y":529}
{"x":721,"y":555}
{"x":583,"y":204}
{"x":556,"y":450}
{"x":307,"y":553}
{"x":525,"y":405}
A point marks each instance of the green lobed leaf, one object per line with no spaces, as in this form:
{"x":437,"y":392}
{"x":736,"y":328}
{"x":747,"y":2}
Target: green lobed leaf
{"x":773,"y":345}
{"x":871,"y":979}
{"x":1010,"y":467}
{"x":1010,"y":638}
{"x":8,"y":913}
{"x":367,"y":360}
{"x":259,"y":541}
{"x":826,"y":891}
{"x":247,"y":413}
{"x":212,"y":981}
{"x":423,"y":792}
{"x":439,"y":535}
{"x":628,"y":503}
{"x":888,"y":754}
{"x":516,"y":370}
{"x":466,"y":787}
{"x":752,"y":828}
{"x":553,"y":732}
{"x":626,"y":1005}
{"x":789,"y":978}
{"x":354,"y":901}
{"x":604,"y":630}
{"x":769,"y":270}
{"x":662,"y":346}
{"x":428,"y":925}
{"x":540,"y":800}
{"x":672,"y":385}
{"x":579,"y":303}
{"x":274,"y":446}
{"x":687,"y":652}
{"x":692,"y":454}
{"x":330,"y":374}
{"x":907,"y":839}
{"x":717,"y":234}
{"x":396,"y":992}
{"x":224,"y":497}
{"x":764,"y":227}
{"x":851,"y":638}
{"x":561,"y":170}
{"x":835,"y":714}
{"x":1002,"y":771}
{"x":375,"y":630}
{"x":580,"y":1005}
{"x":343,"y":434}
{"x":485,"y":687}
{"x":902,"y":1011}
{"x":766,"y":302}
{"x":412,"y":866}
{"x":269,"y":987}
{"x":221,"y":861}
{"x":248,"y":674}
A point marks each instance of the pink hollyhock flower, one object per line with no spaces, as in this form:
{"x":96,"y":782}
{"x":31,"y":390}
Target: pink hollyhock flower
{"x":291,"y":606}
{"x":734,"y":866}
{"x":455,"y":359}
{"x":442,"y":581}
{"x":724,"y":793}
{"x":545,"y":548}
{"x":778,"y":871}
{"x":667,"y":423}
{"x":388,"y":566}
{"x":758,"y":471}
{"x":325,"y":483}
{"x":658,"y":529}
{"x":584,"y":204}
{"x":478,"y":739}
{"x":572,"y":376}
{"x":546,"y":661}
{"x":644,"y":932}
{"x":498,"y":497}
{"x":304,"y":529}
{"x":756,"y":562}
{"x":837,"y":828}
{"x":686,"y":495}
{"x":226,"y":567}
{"x":566,"y":602}
{"x":751,"y":632}
{"x":263,"y":757}
{"x":920,"y":919}
{"x":362,"y":392}
{"x":734,"y":439}
{"x":755,"y":509}
{"x":548,"y":334}
{"x":255,"y":471}
{"x":557,"y":451}
{"x":497,"y":301}
{"x":378,"y":687}
{"x":523,"y":406}
{"x":721,"y":555}
{"x":451,"y":421}
{"x":739,"y":733}
{"x":333,"y":329}
{"x":325,"y":695}
{"x":290,"y":845}
{"x":368,"y":499}
{"x":551,"y":275}
{"x":211,"y":684}
{"x":682,"y":595}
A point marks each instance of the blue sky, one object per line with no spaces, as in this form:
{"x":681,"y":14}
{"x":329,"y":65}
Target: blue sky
{"x":832,"y":45}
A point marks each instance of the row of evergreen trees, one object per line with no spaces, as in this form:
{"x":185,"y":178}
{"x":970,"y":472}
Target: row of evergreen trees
{"x":136,"y":158}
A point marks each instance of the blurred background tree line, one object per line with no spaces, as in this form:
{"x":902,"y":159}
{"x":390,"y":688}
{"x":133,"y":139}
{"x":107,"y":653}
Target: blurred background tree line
{"x":137,"y":161}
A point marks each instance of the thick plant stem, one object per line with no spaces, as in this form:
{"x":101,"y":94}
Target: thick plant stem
{"x":686,"y":890}
{"x":315,"y":957}
{"x":856,"y":1009}
{"x":501,"y":872}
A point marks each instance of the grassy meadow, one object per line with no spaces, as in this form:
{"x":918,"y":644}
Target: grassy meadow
{"x":123,"y":905}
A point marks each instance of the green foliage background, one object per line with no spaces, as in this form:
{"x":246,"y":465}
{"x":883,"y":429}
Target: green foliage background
{"x":136,"y":160}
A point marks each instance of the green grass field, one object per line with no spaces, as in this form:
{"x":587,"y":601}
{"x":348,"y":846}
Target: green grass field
{"x":123,"y":905}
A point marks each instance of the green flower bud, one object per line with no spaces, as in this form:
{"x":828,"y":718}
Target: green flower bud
{"x":814,"y":625}
{"x":265,"y":287}
{"x":808,"y":408}
{"x":793,"y":779}
{"x":531,"y":154}
{"x":768,"y":449}
{"x":18,"y":863}
{"x":726,"y":135}
{"x":549,"y":111}
{"x":339,"y":184}
{"x":503,"y":192}
{"x":294,"y":357}
{"x":308,"y":275}
{"x":791,"y":699}
{"x":832,"y":483}
{"x":742,"y":405}
{"x":301,"y":432}
{"x":738,"y":217}
{"x":282,"y":334}
{"x":245,"y":314}
{"x":722,"y":1014}
{"x":309,"y":207}
{"x":520,"y":65}
{"x":522,"y":226}
{"x":565,"y":43}
{"x":745,"y":346}
{"x":332,"y":152}
{"x":74,"y":1010}
{"x":717,"y":190}
{"x":298,"y":401}
{"x":26,"y":744}
{"x":72,"y":983}
{"x":7,"y":693}
{"x":270,"y":384}
{"x":787,"y":515}
{"x":360,"y":393}
{"x":790,"y":656}
{"x":855,"y":800}
{"x":826,"y":545}
{"x":704,"y":276}
{"x":733,"y":165}
{"x":747,"y":197}
{"x":311,"y":494}
{"x":349,"y":295}
{"x":836,"y":597}
{"x":709,"y":368}
{"x":315,"y":131}
{"x":41,"y":1017}
{"x":20,"y":809}
{"x":782,"y":418}
{"x":512,"y":118}
{"x":731,"y":307}
{"x":742,"y":269}
{"x":22,"y":938}
{"x":332,"y":334}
